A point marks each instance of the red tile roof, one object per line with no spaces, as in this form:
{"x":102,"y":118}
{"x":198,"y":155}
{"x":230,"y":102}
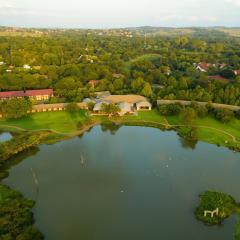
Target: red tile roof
{"x":204,"y":66}
{"x":29,"y":93}
{"x":93,"y":82}
{"x":218,"y":77}
{"x":11,"y":94}
{"x":237,"y":72}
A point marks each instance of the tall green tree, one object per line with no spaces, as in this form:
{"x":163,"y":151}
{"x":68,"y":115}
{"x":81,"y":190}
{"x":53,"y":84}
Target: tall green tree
{"x":16,"y":107}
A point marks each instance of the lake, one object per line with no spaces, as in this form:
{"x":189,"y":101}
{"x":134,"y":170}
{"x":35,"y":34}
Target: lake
{"x":126,"y":183}
{"x":5,"y":137}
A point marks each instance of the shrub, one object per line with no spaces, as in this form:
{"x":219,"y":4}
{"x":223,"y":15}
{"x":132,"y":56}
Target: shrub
{"x":189,"y":115}
{"x":237,"y":114}
{"x":189,"y":133}
{"x":224,"y":115}
{"x":16,"y":107}
{"x":202,"y":111}
{"x":72,"y":107}
{"x":90,"y":106}
{"x":170,"y":110}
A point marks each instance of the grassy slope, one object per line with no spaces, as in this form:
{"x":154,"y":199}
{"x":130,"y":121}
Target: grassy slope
{"x":58,"y":121}
{"x":147,"y":116}
{"x":211,"y":135}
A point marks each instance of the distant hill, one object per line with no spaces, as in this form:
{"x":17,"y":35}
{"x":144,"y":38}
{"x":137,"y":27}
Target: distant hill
{"x":144,"y":30}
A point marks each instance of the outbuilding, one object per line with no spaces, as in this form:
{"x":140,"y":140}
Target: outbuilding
{"x":143,"y":105}
{"x":125,"y":108}
{"x":98,"y":106}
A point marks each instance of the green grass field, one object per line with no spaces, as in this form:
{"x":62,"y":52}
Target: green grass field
{"x":63,"y":122}
{"x":213,"y":131}
{"x":208,"y":129}
{"x":151,"y":116}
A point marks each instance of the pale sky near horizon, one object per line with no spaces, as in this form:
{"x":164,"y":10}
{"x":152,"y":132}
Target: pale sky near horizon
{"x":119,"y":13}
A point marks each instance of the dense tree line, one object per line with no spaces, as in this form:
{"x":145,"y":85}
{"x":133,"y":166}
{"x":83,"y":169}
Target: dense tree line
{"x":191,"y":112}
{"x":67,"y":61}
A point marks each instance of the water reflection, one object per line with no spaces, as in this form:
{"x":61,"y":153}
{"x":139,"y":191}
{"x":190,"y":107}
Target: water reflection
{"x":188,"y":144}
{"x":16,"y":160}
{"x":112,"y":128}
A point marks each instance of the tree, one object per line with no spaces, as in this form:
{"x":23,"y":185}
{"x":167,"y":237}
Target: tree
{"x":237,"y":114}
{"x":110,"y":108}
{"x":183,"y":83}
{"x":137,"y":85}
{"x":224,"y":115}
{"x":72,"y":107}
{"x":170,"y":110}
{"x":118,"y":84}
{"x":147,"y":90}
{"x":16,"y":107}
{"x":90,"y":106}
{"x":189,"y":115}
{"x":181,"y":41}
{"x":199,"y":45}
{"x":227,"y":73}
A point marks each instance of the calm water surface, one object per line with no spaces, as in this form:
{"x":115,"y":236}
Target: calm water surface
{"x":131,"y":183}
{"x":5,"y":137}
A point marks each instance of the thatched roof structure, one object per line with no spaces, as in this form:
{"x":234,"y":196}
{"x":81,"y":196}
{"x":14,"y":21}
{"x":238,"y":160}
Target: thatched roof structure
{"x":125,"y":98}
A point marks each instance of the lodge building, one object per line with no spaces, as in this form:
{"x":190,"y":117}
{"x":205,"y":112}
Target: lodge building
{"x":38,"y":95}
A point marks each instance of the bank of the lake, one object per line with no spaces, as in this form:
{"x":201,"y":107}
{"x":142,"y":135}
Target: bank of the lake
{"x":64,"y":125}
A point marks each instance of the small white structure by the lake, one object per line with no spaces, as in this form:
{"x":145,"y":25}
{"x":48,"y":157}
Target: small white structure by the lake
{"x":212,"y":213}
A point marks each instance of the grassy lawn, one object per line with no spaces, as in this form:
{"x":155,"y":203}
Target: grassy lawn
{"x":58,"y":121}
{"x":151,"y":116}
{"x":232,"y":127}
{"x":211,"y":136}
{"x":204,"y":133}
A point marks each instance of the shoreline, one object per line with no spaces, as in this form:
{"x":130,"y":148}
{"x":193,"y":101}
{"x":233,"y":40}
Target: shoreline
{"x":56,"y":136}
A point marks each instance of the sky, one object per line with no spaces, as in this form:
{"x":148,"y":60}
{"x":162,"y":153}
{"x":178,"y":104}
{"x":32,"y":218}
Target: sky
{"x":119,"y":13}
